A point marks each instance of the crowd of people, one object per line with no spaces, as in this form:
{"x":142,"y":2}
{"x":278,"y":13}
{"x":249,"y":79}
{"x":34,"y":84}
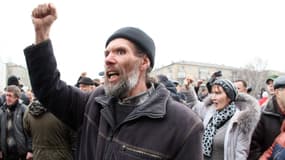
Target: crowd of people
{"x":132,"y":115}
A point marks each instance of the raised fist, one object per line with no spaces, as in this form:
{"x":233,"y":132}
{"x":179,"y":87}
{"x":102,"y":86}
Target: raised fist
{"x":43,"y":16}
{"x":83,"y":74}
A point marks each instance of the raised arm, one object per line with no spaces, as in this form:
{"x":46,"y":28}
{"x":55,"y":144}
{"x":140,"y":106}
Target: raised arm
{"x":64,"y":101}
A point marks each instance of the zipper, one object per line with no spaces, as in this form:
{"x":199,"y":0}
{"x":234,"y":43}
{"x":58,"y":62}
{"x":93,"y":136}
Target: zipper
{"x":140,"y":152}
{"x":107,"y":155}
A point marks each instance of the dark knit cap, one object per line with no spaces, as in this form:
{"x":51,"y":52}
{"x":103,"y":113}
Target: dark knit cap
{"x":138,"y":37}
{"x":13,"y":80}
{"x":86,"y":81}
{"x":279,"y":82}
{"x":228,"y":87}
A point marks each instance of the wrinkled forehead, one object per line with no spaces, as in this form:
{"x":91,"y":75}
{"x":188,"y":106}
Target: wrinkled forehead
{"x":120,"y":42}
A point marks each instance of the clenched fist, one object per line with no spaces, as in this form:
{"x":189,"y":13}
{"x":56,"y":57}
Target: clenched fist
{"x":43,"y":16}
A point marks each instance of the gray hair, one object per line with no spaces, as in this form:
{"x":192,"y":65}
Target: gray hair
{"x":15,"y":90}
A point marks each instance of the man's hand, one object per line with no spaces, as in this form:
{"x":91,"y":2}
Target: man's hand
{"x":29,"y":156}
{"x":43,"y":16}
{"x":187,"y":81}
{"x":199,"y":82}
{"x":83,"y":74}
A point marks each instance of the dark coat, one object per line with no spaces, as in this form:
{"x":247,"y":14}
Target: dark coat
{"x":160,"y":128}
{"x":171,"y":87}
{"x":268,"y":128}
{"x":1,"y":100}
{"x":24,"y":143}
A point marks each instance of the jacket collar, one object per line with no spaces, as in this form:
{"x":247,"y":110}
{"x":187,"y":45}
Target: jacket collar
{"x":154,"y":107}
{"x":272,"y":108}
{"x":12,"y":108}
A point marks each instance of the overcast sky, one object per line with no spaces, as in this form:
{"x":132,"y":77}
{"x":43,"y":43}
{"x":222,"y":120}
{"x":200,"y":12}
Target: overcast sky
{"x":233,"y":33}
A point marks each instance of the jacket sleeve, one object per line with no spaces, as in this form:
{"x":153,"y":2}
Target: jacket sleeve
{"x":192,"y":148}
{"x":190,"y":96}
{"x":1,"y":100}
{"x":28,"y":136}
{"x":64,"y":101}
{"x":242,"y":146}
{"x":256,"y":140}
{"x":26,"y":124}
{"x":27,"y":130}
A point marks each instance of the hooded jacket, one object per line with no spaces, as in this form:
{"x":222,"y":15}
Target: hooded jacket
{"x":158,"y":129}
{"x":51,"y":139}
{"x":240,"y":128}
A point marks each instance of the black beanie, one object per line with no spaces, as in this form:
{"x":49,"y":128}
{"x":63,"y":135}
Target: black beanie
{"x":229,"y":88}
{"x":86,"y":81}
{"x":138,"y":37}
{"x":13,"y":80}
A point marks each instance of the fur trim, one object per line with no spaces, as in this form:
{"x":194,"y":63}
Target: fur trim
{"x":249,"y":114}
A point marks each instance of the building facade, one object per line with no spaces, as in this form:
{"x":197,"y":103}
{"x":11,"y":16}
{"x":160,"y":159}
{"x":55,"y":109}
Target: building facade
{"x":3,"y":77}
{"x":8,"y":69}
{"x":198,"y":71}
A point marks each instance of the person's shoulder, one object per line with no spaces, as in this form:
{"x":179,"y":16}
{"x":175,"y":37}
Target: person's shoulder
{"x":1,"y":108}
{"x":99,"y":91}
{"x":25,"y":98}
{"x":182,"y":113}
{"x":23,"y":106}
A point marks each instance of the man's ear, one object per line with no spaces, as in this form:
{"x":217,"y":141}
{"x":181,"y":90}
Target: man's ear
{"x":145,"y":63}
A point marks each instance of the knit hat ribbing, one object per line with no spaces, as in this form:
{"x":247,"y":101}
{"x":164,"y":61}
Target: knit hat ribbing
{"x":138,"y":37}
{"x":228,"y":87}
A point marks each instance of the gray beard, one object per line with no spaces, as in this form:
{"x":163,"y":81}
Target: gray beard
{"x":122,"y":88}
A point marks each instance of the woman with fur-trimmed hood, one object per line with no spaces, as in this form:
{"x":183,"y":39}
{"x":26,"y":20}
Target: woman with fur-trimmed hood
{"x":229,"y":120}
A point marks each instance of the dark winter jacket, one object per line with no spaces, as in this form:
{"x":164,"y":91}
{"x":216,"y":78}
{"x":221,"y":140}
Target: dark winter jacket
{"x":171,"y":87}
{"x":52,"y":140}
{"x":25,"y":98}
{"x":24,"y":143}
{"x":160,"y":128}
{"x":267,"y":130}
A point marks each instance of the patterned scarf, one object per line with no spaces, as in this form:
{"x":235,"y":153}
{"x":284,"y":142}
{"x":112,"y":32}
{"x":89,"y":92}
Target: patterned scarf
{"x":219,"y":118}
